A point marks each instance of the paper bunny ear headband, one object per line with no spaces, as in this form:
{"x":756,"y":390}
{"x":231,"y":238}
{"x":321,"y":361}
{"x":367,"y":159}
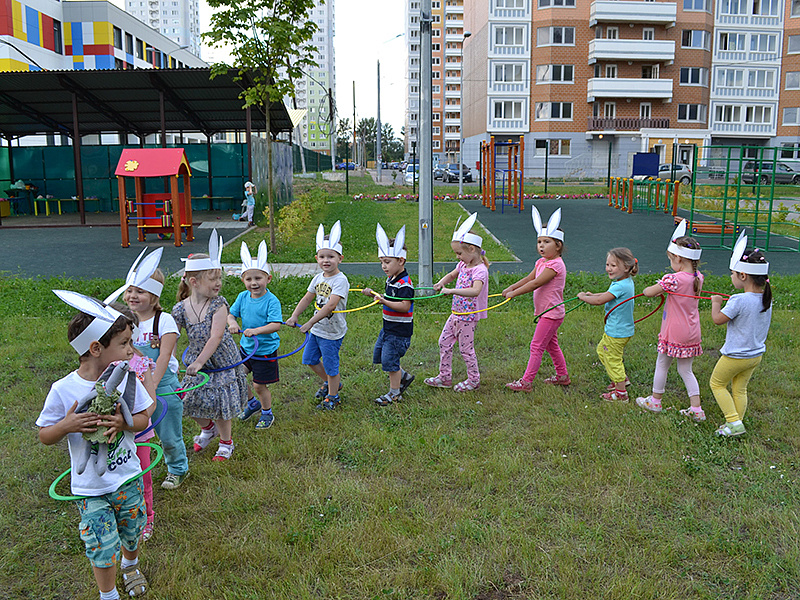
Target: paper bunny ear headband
{"x":214,"y":260}
{"x":551,"y":230}
{"x":462,"y":233}
{"x":738,"y":259}
{"x":259,"y":263}
{"x":104,"y":318}
{"x":690,"y":253}
{"x":140,"y":277}
{"x":391,"y":251}
{"x":332,"y":243}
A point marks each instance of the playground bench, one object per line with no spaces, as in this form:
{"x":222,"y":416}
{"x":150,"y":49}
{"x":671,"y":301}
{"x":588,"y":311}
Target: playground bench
{"x":47,"y":202}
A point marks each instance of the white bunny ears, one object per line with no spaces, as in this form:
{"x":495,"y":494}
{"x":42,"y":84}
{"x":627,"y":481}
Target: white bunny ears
{"x":385,"y":250}
{"x":462,"y":234}
{"x":104,"y":318}
{"x":214,"y":261}
{"x":738,"y":259}
{"x":690,"y":253}
{"x":141,"y":277}
{"x":551,"y":230}
{"x":332,"y":243}
{"x":259,"y":263}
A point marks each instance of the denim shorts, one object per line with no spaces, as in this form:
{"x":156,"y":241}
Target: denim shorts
{"x":327,"y":350}
{"x":388,"y":351}
{"x":264,"y":371}
{"x":112,"y":520}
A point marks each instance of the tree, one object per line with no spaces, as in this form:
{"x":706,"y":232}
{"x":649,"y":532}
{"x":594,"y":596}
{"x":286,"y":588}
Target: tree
{"x":343,"y":136}
{"x":269,"y":43}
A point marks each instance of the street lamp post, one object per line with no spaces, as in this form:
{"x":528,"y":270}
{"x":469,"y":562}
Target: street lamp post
{"x":461,"y":118}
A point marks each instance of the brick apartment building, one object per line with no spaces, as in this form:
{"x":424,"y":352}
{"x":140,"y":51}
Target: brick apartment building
{"x":587,"y":81}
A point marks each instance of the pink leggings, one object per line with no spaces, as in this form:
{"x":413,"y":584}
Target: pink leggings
{"x":684,"y":370}
{"x":463,"y":332}
{"x":143,"y":452}
{"x":545,"y":338}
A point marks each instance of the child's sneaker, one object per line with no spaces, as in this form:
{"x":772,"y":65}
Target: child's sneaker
{"x":695,"y":415}
{"x":615,"y":396}
{"x":253,"y":406}
{"x":649,"y":403}
{"x":731,"y":429}
{"x":438,"y":382}
{"x":612,"y":386}
{"x":405,"y":381}
{"x":205,"y":437}
{"x":266,"y":421}
{"x":520,"y":385}
{"x":224,"y":452}
{"x":322,"y":392}
{"x":173,"y":481}
{"x":387,"y":399}
{"x":329,"y":403}
{"x":558,"y":380}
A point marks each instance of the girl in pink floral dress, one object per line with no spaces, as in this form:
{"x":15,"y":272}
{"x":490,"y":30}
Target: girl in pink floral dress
{"x":679,"y":337}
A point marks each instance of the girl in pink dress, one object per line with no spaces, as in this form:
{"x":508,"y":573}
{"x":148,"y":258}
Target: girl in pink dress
{"x":546,"y":281}
{"x":679,"y":337}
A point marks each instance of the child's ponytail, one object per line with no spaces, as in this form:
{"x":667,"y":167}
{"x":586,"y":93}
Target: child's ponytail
{"x":689,"y":242}
{"x":756,"y":257}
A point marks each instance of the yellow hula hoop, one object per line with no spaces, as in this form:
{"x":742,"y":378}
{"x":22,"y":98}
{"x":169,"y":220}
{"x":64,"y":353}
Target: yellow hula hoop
{"x":350,"y":310}
{"x":472,"y":312}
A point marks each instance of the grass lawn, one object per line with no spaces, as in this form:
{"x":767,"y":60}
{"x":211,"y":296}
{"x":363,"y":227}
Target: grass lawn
{"x":485,"y":495}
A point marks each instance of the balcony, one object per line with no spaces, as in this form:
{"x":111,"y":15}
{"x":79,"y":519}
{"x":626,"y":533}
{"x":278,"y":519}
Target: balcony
{"x":508,"y":125}
{"x":503,"y":87}
{"x":609,"y":87}
{"x":453,"y":22}
{"x":633,"y":11}
{"x":625,"y":124}
{"x":644,"y":50}
{"x":745,"y":92}
{"x":749,"y":20}
{"x":746,"y":129}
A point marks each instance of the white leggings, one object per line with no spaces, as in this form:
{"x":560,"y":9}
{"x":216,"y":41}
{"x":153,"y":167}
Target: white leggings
{"x":684,"y":370}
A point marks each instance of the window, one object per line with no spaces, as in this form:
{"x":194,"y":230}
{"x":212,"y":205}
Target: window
{"x":552,"y":36}
{"x":796,"y":8}
{"x":694,"y":76}
{"x":509,"y":36}
{"x":436,"y":89}
{"x":794,"y":44}
{"x":793,"y":80}
{"x":612,"y":33}
{"x":758,"y":114}
{"x":732,"y":41}
{"x":727,"y":113}
{"x":791,"y":116}
{"x":766,"y":7}
{"x":508,"y":109}
{"x":437,"y":144}
{"x":650,"y":71}
{"x":556,"y":73}
{"x":610,"y":110}
{"x":437,"y":103}
{"x":598,"y":32}
{"x":139,"y":49}
{"x":436,"y":47}
{"x":509,"y":73}
{"x":437,"y":116}
{"x":559,"y":147}
{"x":509,"y":3}
{"x":611,"y":71}
{"x":551,"y":111}
{"x":761,"y":78}
{"x":117,"y":38}
{"x":694,"y":5}
{"x":128,"y":43}
{"x":733,"y":7}
{"x":436,"y":75}
{"x":57,"y":41}
{"x":435,"y":60}
{"x":692,"y":112}
{"x":598,"y":70}
{"x":648,"y":34}
{"x":695,"y":38}
{"x":763,"y":42}
{"x":645,"y":110}
{"x":730,"y":78}
{"x":437,"y":131}
{"x":549,"y":3}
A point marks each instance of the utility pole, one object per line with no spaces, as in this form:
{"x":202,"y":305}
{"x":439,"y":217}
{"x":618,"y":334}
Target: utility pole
{"x":355,"y":156}
{"x":378,"y":147}
{"x":425,"y":137}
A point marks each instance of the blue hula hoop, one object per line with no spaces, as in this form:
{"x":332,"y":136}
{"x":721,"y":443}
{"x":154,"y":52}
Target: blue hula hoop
{"x":154,"y":423}
{"x":303,"y":345}
{"x":241,"y":362}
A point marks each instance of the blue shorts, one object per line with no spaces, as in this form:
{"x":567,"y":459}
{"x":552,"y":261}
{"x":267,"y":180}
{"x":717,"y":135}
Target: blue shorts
{"x":327,"y":350}
{"x":388,"y":351}
{"x":112,"y":520}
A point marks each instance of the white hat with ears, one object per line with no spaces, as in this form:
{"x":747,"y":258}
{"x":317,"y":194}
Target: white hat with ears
{"x":739,"y":257}
{"x":551,"y":230}
{"x":462,"y":233}
{"x":690,"y":253}
{"x":259,"y":263}
{"x":141,"y":277}
{"x":104,"y":318}
{"x":214,"y":260}
{"x":385,"y":249}
{"x":332,"y":243}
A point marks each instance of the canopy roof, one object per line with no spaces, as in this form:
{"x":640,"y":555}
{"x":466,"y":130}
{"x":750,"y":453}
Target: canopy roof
{"x":152,"y":162}
{"x":34,"y":102}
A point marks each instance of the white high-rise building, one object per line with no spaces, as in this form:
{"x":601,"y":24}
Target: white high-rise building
{"x":178,"y":20}
{"x":314,"y":89}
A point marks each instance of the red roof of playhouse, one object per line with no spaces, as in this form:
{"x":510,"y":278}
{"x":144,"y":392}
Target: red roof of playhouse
{"x":151,"y":162}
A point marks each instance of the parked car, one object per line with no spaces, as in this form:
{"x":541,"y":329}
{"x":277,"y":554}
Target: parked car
{"x":752,"y":172}
{"x":451,"y":173}
{"x":412,"y":174}
{"x":681,"y":173}
{"x":349,"y":166}
{"x":438,"y":171}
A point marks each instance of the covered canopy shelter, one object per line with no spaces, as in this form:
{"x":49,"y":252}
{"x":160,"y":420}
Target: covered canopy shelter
{"x":137,"y":101}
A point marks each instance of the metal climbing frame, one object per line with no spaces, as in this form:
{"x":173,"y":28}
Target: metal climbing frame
{"x":757,"y":187}
{"x":649,"y":195}
{"x":511,"y":175}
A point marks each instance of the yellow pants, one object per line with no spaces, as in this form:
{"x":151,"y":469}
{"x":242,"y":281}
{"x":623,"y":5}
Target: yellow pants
{"x":610,"y":351}
{"x":737,"y":372}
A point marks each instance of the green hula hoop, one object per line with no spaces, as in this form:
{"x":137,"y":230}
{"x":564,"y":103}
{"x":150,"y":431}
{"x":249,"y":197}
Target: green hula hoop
{"x":204,"y":380}
{"x":540,"y":315}
{"x":56,"y":496}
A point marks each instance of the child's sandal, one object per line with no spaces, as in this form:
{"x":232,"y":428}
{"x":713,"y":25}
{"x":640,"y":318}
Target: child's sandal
{"x":466,"y":386}
{"x":437,"y":382}
{"x":134,"y":580}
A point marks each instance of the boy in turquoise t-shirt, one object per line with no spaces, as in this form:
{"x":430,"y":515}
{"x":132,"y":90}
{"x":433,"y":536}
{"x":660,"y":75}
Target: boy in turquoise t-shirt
{"x":260,"y":312}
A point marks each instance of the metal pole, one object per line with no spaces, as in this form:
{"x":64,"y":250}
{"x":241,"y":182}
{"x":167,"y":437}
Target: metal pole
{"x":426,"y":149}
{"x":461,"y":117}
{"x":347,"y":168}
{"x":378,"y":148}
{"x":610,"y":146}
{"x":546,"y":162}
{"x":332,"y":117}
{"x":76,"y":147}
{"x":355,"y":155}
{"x":414,"y":166}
